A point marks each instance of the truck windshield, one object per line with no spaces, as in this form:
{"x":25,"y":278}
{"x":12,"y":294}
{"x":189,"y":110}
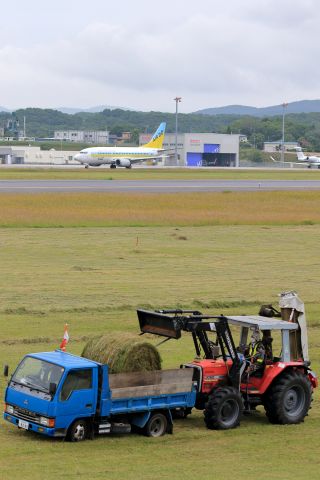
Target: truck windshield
{"x":37,"y":374}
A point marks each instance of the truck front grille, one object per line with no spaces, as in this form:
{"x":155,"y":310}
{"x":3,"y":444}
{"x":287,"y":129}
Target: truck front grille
{"x":25,"y":414}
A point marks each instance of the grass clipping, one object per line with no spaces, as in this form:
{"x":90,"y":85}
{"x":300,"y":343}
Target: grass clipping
{"x":123,"y":353}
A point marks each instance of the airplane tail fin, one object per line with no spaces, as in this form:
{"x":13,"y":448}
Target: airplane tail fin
{"x":300,"y":154}
{"x":157,"y":139}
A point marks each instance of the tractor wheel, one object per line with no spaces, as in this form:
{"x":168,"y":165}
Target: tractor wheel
{"x":78,"y":431}
{"x":156,"y":425}
{"x":288,"y":399}
{"x":223,"y":409}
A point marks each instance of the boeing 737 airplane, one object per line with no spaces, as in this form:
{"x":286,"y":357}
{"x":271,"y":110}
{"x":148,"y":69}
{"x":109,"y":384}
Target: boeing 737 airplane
{"x":302,"y":159}
{"x":123,"y":156}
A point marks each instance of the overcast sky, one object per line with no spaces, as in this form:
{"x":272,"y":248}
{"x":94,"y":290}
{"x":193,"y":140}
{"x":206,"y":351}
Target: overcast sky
{"x":140,"y":54}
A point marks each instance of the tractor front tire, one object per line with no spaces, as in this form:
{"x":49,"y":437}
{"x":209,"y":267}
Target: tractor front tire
{"x":288,"y":400}
{"x":223,"y":409}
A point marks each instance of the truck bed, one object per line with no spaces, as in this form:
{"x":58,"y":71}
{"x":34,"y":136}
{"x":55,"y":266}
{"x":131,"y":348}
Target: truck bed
{"x":159,"y":382}
{"x":139,"y":391}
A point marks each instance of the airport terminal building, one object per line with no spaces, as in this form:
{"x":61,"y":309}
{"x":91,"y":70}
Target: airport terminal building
{"x":200,"y":149}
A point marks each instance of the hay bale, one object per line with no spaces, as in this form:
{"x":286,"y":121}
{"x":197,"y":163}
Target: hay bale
{"x":123,"y":353}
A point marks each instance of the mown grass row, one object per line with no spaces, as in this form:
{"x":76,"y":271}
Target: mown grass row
{"x":175,"y":209}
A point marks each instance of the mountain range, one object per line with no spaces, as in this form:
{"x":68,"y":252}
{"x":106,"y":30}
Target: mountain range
{"x":302,"y":106}
{"x":73,"y":110}
{"x":97,"y":109}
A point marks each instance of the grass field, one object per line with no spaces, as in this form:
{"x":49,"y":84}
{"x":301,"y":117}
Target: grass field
{"x":190,"y":209}
{"x":94,"y":277}
{"x":105,"y":173}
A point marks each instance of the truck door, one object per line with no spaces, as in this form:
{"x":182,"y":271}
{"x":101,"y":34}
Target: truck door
{"x":78,"y":393}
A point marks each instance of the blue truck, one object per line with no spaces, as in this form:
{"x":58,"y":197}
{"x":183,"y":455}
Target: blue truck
{"x":63,"y":395}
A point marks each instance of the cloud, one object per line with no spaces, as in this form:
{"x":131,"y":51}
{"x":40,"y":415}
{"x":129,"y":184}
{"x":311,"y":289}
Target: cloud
{"x":250,"y":52}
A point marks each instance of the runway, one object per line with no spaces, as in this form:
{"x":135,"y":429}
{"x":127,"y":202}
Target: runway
{"x":154,"y":186}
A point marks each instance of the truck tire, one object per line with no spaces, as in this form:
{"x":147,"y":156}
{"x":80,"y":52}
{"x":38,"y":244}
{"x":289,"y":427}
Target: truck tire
{"x":288,"y":399}
{"x":223,"y":409}
{"x":78,"y":431}
{"x":156,"y":425}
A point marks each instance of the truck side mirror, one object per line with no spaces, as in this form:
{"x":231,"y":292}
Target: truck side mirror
{"x":6,"y":370}
{"x":52,"y":388}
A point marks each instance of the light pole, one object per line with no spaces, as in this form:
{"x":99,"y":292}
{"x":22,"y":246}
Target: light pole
{"x":284,"y":105}
{"x":177,"y":100}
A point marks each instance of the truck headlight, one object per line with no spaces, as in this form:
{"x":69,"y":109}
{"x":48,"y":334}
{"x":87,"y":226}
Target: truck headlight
{"x":44,"y":421}
{"x":47,"y":422}
{"x":9,"y":409}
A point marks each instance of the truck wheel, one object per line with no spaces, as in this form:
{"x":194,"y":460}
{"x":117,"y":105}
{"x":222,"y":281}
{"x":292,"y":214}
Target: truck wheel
{"x":288,"y":399}
{"x":78,"y":431}
{"x":156,"y":426}
{"x":223,"y":409}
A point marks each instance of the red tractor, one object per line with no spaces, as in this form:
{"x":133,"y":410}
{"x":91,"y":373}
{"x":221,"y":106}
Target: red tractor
{"x":228,"y":383}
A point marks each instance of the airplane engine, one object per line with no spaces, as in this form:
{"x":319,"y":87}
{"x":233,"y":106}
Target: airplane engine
{"x":123,"y":162}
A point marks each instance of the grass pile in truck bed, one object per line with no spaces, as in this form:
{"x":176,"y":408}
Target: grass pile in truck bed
{"x":123,"y":353}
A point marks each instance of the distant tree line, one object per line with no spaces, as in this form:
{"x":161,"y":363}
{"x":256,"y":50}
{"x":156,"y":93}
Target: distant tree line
{"x":303,"y":128}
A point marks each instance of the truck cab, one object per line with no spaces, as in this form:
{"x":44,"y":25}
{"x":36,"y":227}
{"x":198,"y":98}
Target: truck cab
{"x":49,"y":391}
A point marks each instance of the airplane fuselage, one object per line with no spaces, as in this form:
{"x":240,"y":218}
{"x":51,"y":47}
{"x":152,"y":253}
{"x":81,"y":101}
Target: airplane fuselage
{"x":119,"y":156}
{"x":313,"y":160}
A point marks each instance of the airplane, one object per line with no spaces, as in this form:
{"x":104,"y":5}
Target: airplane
{"x":302,"y":159}
{"x":123,"y":156}
{"x":312,"y":160}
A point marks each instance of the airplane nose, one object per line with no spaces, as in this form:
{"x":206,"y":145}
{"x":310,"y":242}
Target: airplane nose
{"x":76,"y":157}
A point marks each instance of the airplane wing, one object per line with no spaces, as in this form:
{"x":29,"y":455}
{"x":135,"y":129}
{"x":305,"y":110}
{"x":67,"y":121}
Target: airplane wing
{"x":172,"y":149}
{"x":142,"y":159}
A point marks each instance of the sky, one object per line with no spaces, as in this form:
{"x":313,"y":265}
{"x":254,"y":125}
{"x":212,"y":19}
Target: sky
{"x":142,"y":54}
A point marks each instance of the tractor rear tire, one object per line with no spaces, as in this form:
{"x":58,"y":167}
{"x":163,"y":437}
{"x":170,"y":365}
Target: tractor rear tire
{"x":223,"y":409}
{"x":289,"y":399}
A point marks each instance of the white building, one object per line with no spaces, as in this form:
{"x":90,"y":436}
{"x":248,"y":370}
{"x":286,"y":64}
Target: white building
{"x":78,"y":136}
{"x":34,"y":155}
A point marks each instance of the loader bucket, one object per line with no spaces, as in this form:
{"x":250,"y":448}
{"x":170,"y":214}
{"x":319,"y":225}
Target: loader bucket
{"x":158,"y":324}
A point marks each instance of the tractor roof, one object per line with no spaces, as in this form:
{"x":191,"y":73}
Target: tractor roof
{"x":263,"y":323}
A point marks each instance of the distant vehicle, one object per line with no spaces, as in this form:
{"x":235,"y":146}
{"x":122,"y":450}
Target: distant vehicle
{"x":302,"y":159}
{"x":312,"y":160}
{"x":123,"y":156}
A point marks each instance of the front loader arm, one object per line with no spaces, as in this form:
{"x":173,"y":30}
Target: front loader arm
{"x":170,"y":324}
